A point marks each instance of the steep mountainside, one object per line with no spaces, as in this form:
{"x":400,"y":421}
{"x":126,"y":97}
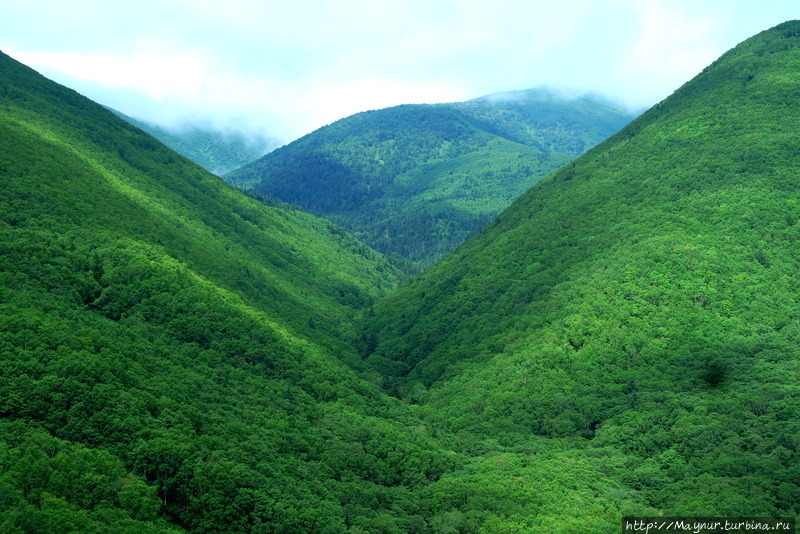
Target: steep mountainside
{"x":168,"y":346}
{"x":640,"y":304}
{"x":621,"y":341}
{"x":217,"y":151}
{"x":415,"y":181}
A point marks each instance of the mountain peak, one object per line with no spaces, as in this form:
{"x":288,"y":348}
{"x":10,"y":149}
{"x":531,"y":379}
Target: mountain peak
{"x":414,"y":181}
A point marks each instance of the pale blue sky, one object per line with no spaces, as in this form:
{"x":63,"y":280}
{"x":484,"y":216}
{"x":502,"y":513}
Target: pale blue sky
{"x":286,"y":68}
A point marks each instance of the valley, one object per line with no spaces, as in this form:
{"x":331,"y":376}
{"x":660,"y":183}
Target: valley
{"x":613,"y":334}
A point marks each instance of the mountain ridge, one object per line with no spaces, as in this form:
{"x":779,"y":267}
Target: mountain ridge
{"x":413,"y":181}
{"x":216,"y":150}
{"x":171,"y":351}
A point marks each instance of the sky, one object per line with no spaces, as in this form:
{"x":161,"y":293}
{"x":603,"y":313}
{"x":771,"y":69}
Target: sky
{"x":283,"y":68}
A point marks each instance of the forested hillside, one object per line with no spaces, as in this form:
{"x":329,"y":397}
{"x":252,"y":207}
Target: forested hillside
{"x":639,"y":306}
{"x":213,"y":149}
{"x":546,"y":119}
{"x":169,"y":348}
{"x":415,"y":181}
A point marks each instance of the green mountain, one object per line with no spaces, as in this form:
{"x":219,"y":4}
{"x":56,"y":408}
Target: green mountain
{"x":170,"y":349}
{"x":216,"y":150}
{"x":639,"y":307}
{"x":415,"y":181}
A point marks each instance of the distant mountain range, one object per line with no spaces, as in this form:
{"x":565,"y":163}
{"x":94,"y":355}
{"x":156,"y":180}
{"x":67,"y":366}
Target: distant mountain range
{"x":216,"y":150}
{"x":415,"y":181}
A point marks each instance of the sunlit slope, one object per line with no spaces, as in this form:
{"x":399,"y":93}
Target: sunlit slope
{"x":644,"y":297}
{"x":169,"y":348}
{"x":415,"y":181}
{"x":91,"y":170}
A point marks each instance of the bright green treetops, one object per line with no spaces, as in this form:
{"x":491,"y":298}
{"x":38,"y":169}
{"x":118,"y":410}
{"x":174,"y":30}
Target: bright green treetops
{"x":170,"y":349}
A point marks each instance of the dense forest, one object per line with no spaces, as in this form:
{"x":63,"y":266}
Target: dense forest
{"x":178,"y":356}
{"x":415,"y":181}
{"x":171,"y":350}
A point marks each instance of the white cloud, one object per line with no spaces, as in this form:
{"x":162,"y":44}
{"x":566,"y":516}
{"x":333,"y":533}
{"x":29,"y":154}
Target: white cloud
{"x":157,"y":75}
{"x":292,"y":66}
{"x":674,"y":44}
{"x":332,"y":102}
{"x":186,"y":82}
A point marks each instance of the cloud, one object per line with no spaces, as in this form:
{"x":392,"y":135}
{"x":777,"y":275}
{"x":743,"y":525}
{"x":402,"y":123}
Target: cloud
{"x":673,"y":44}
{"x":289,"y":67}
{"x":188,"y":85}
{"x":332,"y":102}
{"x":157,"y":75}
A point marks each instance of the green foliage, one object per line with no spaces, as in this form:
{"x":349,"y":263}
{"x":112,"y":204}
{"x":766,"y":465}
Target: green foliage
{"x":547,"y":120}
{"x":622,"y":340}
{"x":50,"y":485}
{"x":415,"y":181}
{"x":563,"y":491}
{"x":91,"y":170}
